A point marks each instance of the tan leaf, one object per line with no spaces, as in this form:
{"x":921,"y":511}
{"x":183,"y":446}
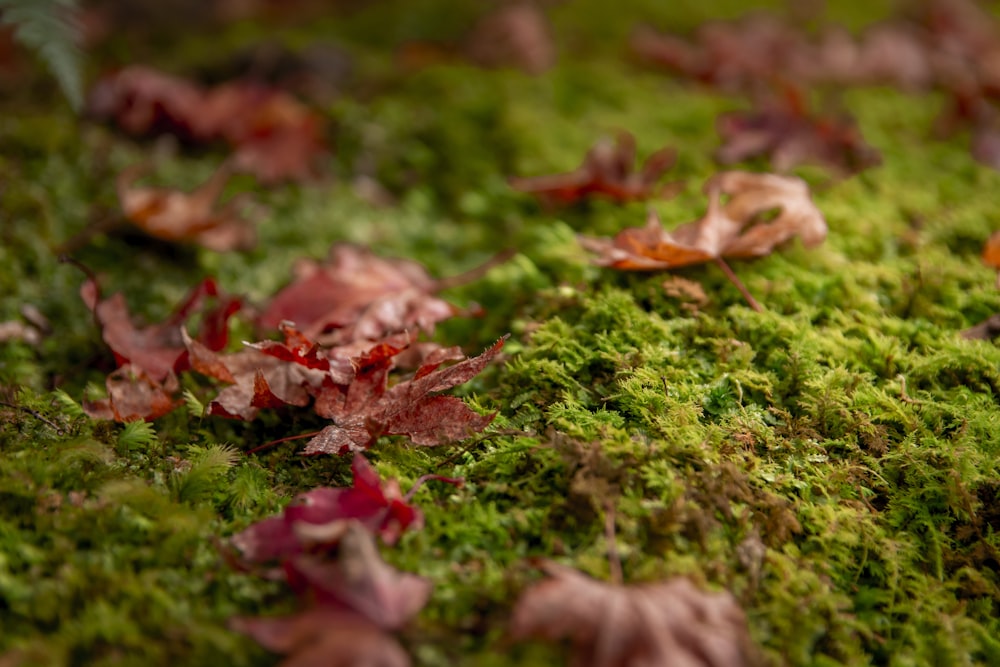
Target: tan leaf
{"x":649,"y":625}
{"x":734,"y":229}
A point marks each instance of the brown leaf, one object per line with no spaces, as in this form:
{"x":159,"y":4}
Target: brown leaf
{"x":789,"y":136}
{"x":649,"y":625}
{"x":731,"y":230}
{"x":608,"y":170}
{"x":274,"y":136}
{"x":133,"y":395}
{"x":517,"y":35}
{"x":193,"y":217}
{"x":355,"y":296}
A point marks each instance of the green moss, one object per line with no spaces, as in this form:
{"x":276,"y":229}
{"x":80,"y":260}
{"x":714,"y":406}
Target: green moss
{"x":832,"y":460}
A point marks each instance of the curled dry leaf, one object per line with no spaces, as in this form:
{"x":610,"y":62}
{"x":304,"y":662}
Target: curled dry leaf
{"x":355,"y":295}
{"x":175,"y":216}
{"x":650,"y":625}
{"x":789,"y":135}
{"x":354,"y":601}
{"x":608,"y":170}
{"x":317,"y":520}
{"x":133,"y":395}
{"x":159,"y":350}
{"x":733,"y":229}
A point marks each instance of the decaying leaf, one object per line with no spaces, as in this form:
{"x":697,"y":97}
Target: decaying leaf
{"x":649,"y":625}
{"x":274,"y":136}
{"x":174,"y":216}
{"x":158,"y":350}
{"x":318,"y":519}
{"x":608,"y":170}
{"x":133,"y":395}
{"x":991,"y":253}
{"x":355,"y":295}
{"x":731,"y":229}
{"x":789,"y":136}
{"x":353,"y":602}
{"x":515,"y":35}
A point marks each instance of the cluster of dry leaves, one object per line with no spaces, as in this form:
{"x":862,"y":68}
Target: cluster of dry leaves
{"x":949,"y":45}
{"x":368,"y":310}
{"x":323,"y":546}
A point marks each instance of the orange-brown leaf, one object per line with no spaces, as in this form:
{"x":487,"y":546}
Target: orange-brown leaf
{"x":731,"y":229}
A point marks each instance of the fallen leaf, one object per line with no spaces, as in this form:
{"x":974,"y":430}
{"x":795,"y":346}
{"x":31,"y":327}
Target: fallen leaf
{"x":324,"y":637}
{"x":649,"y":625}
{"x":318,"y":519}
{"x":360,"y":581}
{"x":353,"y":601}
{"x":789,"y":136}
{"x":159,"y":350}
{"x":355,"y":295}
{"x":175,"y":216}
{"x":517,"y":35}
{"x":608,"y":170}
{"x":274,"y":136}
{"x":133,"y":395}
{"x":365,"y":409}
{"x":991,"y":253}
{"x":733,"y":229}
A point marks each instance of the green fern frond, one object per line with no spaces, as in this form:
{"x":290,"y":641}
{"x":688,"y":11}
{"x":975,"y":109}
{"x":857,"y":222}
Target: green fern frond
{"x":135,"y":435}
{"x":194,"y":405}
{"x":68,"y":405}
{"x":48,"y":28}
{"x":208,"y":466}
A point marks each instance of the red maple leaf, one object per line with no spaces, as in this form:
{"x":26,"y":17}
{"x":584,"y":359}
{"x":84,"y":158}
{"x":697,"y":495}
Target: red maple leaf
{"x":355,"y":295}
{"x":353,"y":601}
{"x":317,"y":519}
{"x":366,"y":409}
{"x":608,"y":170}
{"x":158,"y":349}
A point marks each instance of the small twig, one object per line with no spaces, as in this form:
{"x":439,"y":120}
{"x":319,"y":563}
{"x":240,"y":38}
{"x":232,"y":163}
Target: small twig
{"x":103,"y":225}
{"x":475,"y":273}
{"x":721,"y":263}
{"x":34,"y":413}
{"x":614,"y":559}
{"x":273,"y":443}
{"x":903,"y":396}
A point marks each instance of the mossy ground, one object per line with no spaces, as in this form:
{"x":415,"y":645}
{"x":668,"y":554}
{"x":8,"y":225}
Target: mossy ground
{"x":833,"y":461}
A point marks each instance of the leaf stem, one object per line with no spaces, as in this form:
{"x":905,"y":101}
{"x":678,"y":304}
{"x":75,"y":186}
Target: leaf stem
{"x":268,"y":445}
{"x":734,"y":279}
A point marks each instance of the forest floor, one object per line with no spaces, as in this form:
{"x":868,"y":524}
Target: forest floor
{"x":831,"y":460}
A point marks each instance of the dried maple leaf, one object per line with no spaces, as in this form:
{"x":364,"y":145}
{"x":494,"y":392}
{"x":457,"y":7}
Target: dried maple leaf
{"x":789,"y":136}
{"x":317,"y":520}
{"x":355,"y":600}
{"x":727,"y":230}
{"x":172,"y":215}
{"x":609,"y":170}
{"x":275,"y":136}
{"x":355,"y":295}
{"x":991,"y":253}
{"x":159,"y":350}
{"x":731,"y":229}
{"x":365,"y":409}
{"x":669,"y":623}
{"x":133,"y":395}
